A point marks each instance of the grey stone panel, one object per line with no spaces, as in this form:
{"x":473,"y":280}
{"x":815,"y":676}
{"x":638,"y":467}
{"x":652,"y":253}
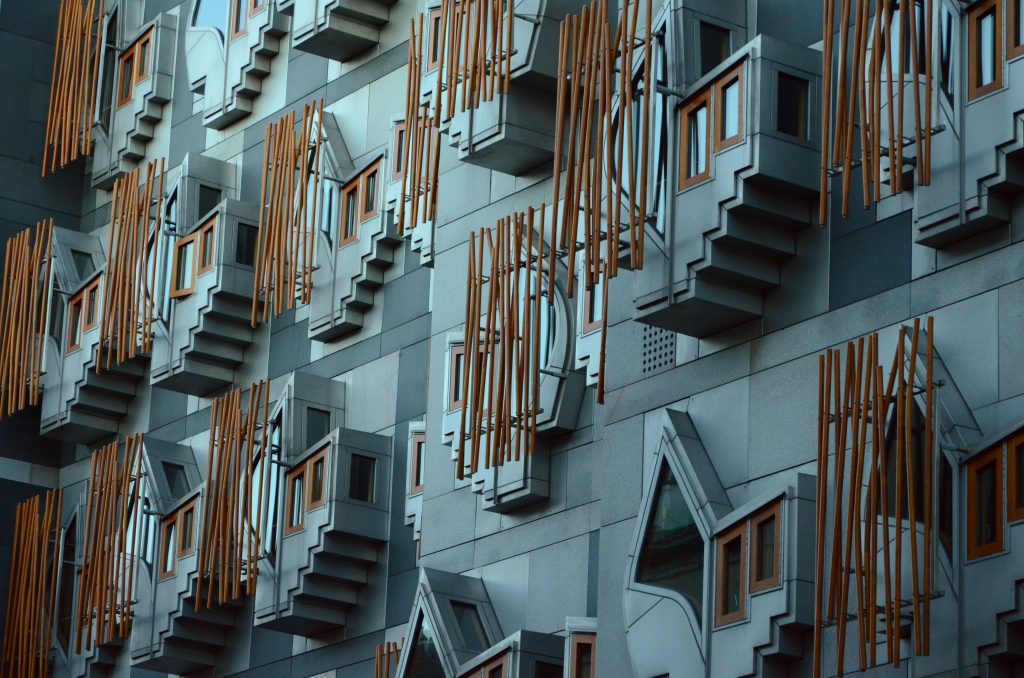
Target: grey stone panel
{"x":291,"y":347}
{"x":870,"y":260}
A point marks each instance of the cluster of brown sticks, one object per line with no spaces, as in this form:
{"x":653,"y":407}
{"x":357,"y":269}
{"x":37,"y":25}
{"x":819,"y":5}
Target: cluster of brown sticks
{"x":136,"y":222}
{"x":421,"y":145}
{"x":23,"y":315}
{"x":107,"y":585}
{"x":500,"y":382}
{"x":854,"y":405}
{"x":32,"y":592}
{"x":231,"y":536}
{"x":287,"y":223}
{"x":867,"y":100}
{"x":76,"y":60}
{"x":387,"y":658}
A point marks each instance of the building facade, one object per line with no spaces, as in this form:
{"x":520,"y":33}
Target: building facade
{"x":512,"y":338}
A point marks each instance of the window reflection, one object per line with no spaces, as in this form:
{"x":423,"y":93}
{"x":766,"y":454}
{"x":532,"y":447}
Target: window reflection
{"x":212,"y":14}
{"x":987,"y":48}
{"x":424,"y":660}
{"x":697,"y":126}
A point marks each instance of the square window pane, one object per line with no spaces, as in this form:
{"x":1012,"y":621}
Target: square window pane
{"x":209,"y":197}
{"x":318,"y":425}
{"x":791,"y":106}
{"x":362,"y":478}
{"x":714,"y":46}
{"x":245,"y":244}
{"x":470,"y":626}
{"x":83,"y":264}
{"x":177,"y":480}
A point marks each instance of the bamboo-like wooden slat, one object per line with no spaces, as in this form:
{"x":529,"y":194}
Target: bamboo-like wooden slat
{"x":230,"y":542}
{"x":129,"y":305}
{"x":76,"y":57}
{"x":32,"y":592}
{"x":24,"y":309}
{"x":870,"y":101}
{"x":287,"y":223}
{"x":113,"y":518}
{"x":855,"y":411}
{"x":387,"y":659}
{"x":502,"y":370}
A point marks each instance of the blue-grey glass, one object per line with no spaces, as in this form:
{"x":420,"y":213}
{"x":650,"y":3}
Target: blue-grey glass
{"x":212,"y":14}
{"x":731,"y":110}
{"x":470,"y":626}
{"x":731,"y":585}
{"x":791,"y":106}
{"x":698,"y":127}
{"x":424,"y":660}
{"x":988,"y":512}
{"x":987,"y":49}
{"x":362,"y":478}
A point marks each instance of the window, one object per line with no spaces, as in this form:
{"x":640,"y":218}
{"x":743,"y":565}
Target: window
{"x":273,"y":450}
{"x":729,"y":577}
{"x":418,"y":451}
{"x":791,"y":106}
{"x":135,"y":67}
{"x":246,"y":237}
{"x":984,"y":504}
{"x":434,"y":55}
{"x":729,"y":100}
{"x":184,"y":267}
{"x":1015,"y":29}
{"x":917,"y":456}
{"x":593,"y":306}
{"x":126,"y":83}
{"x":318,"y":425}
{"x":369,"y":192}
{"x":317,"y":479}
{"x":211,"y":14}
{"x":361,"y":478}
{"x":209,"y":197}
{"x":398,"y":152}
{"x":456,"y":371}
{"x":349,"y":215}
{"x":177,"y":480}
{"x":83,"y":314}
{"x":171,"y":220}
{"x":359,"y":202}
{"x":66,"y":604}
{"x":74,"y":340}
{"x":207,"y":246}
{"x":109,"y":72}
{"x":296,"y":500}
{"x":946,"y":504}
{"x":84,"y":265}
{"x":92,"y":305}
{"x":696,"y":138}
{"x":583,"y":653}
{"x":946,"y":52}
{"x":1015,"y":478}
{"x":142,"y":52}
{"x":470,"y":627}
{"x":238,"y":13}
{"x":167,"y":546}
{"x":187,"y":532}
{"x":765,"y":551}
{"x":424,"y":658}
{"x":984,"y":35}
{"x":672,"y":554}
{"x":714,"y":46}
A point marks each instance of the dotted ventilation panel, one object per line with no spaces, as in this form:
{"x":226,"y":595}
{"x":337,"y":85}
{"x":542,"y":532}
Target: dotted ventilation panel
{"x":659,"y":349}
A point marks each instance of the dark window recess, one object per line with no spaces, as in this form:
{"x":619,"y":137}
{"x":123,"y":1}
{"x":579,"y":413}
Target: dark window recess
{"x":917,"y":457}
{"x":732,"y":592}
{"x":84,"y":265}
{"x":209,"y":198}
{"x":318,"y":425}
{"x":316,"y":489}
{"x":470,"y":626}
{"x":65,"y":607}
{"x":946,"y":53}
{"x":714,"y":46}
{"x":361,"y":478}
{"x":545,"y":670}
{"x":584,"y":667}
{"x":987,"y":514}
{"x":109,"y":70}
{"x":424,"y":660}
{"x":177,"y":480}
{"x":946,"y":505}
{"x":791,"y":106}
{"x":672,"y":555}
{"x":245,"y":244}
{"x":765,"y":550}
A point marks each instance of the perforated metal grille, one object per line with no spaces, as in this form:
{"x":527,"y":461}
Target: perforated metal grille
{"x":659,"y":349}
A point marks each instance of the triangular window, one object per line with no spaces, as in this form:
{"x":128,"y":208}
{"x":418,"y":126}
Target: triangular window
{"x":424,"y":660}
{"x":672,"y":554}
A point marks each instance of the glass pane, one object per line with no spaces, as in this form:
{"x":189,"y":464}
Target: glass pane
{"x":239,"y":14}
{"x":457,"y":375}
{"x":209,"y":198}
{"x":917,"y":463}
{"x":168,"y":548}
{"x":207,"y":249}
{"x":545,"y":670}
{"x":177,"y":480}
{"x":74,"y":330}
{"x":245,"y":244}
{"x":361,"y":478}
{"x":470,"y":626}
{"x":987,"y":49}
{"x":421,"y":448}
{"x":318,"y":425}
{"x":399,"y":149}
{"x":672,"y":555}
{"x":733,"y":553}
{"x":83,"y":264}
{"x":295,"y":513}
{"x":424,"y":660}
{"x":946,"y":505}
{"x":317,"y":489}
{"x":714,"y":46}
{"x":350,"y":215}
{"x":946,"y":52}
{"x":212,"y":14}
{"x":92,"y":305}
{"x":731,"y":110}
{"x":584,"y":661}
{"x":187,"y":522}
{"x":143,"y":58}
{"x":127,"y":77}
{"x":109,"y":71}
{"x":1018,"y":480}
{"x":183,"y":274}
{"x":765,"y":550}
{"x":1018,"y":24}
{"x":791,"y":106}
{"x":370,"y":192}
{"x":496,"y":672}
{"x":698,"y":129}
{"x":987,"y":510}
{"x":65,"y":608}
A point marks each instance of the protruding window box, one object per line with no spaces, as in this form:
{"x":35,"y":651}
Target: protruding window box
{"x":332,"y":524}
{"x":211,"y":276}
{"x":338,"y":29}
{"x":142,"y":84}
{"x":79,"y":404}
{"x":745,"y":183}
{"x":524,"y":654}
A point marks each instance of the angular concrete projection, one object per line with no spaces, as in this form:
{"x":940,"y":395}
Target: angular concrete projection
{"x":336,"y":29}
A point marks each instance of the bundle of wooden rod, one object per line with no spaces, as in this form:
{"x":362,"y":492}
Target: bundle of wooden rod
{"x":421,"y":143}
{"x":387,"y":658}
{"x":502,"y":345}
{"x":860,"y":76}
{"x":592,"y":65}
{"x":31,"y":601}
{"x":76,"y":61}
{"x":856,"y":409}
{"x":230,"y":542}
{"x":24,"y":303}
{"x":136,"y":222}
{"x":107,"y":583}
{"x":287,"y":223}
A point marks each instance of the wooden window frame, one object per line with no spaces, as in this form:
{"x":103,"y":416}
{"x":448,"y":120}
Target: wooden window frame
{"x":299,"y":526}
{"x":576,"y":640}
{"x":143,"y":67}
{"x":87,"y":305}
{"x":416,"y":470}
{"x":974,"y":14}
{"x":126,"y":67}
{"x":454,"y":376}
{"x":398,"y":149}
{"x":179,"y":292}
{"x":501,"y":661}
{"x":771,"y":512}
{"x":994,"y":455}
{"x":74,"y":340}
{"x":170,"y":522}
{"x":233,"y":16}
{"x":722,"y":618}
{"x":209,"y":227}
{"x":433,"y":19}
{"x":735,"y":74}
{"x":699,"y":100}
{"x":347,"y":191}
{"x":319,"y":456}
{"x":256,"y":6}
{"x":1013,"y":50}
{"x":1014,"y":492}
{"x":372,"y":170}
{"x":183,"y":549}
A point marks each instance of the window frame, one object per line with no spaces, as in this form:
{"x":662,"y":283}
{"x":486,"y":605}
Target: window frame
{"x":735,"y":74}
{"x":209,"y":227}
{"x":374,"y":462}
{"x":455,"y":375}
{"x":371,"y":171}
{"x":774,"y":511}
{"x":320,"y":456}
{"x":126,"y":67}
{"x":182,"y":550}
{"x":178,"y":292}
{"x":350,"y":192}
{"x":87,"y":305}
{"x":168,"y":523}
{"x":135,"y":73}
{"x":701,"y":99}
{"x":74,"y":339}
{"x":433,"y":24}
{"x":974,"y":16}
{"x":501,"y":661}
{"x":1013,"y":49}
{"x":291,"y":526}
{"x":398,"y":151}
{"x":724,"y":539}
{"x":256,"y":6}
{"x":143,"y":67}
{"x":417,"y":441}
{"x":991,"y":456}
{"x":236,"y":10}
{"x":580,"y":638}
{"x":591,"y":301}
{"x":1014,"y":492}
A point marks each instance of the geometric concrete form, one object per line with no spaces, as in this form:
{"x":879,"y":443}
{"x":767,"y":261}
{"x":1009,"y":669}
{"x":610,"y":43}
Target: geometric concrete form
{"x":524,"y":654}
{"x":336,"y":29}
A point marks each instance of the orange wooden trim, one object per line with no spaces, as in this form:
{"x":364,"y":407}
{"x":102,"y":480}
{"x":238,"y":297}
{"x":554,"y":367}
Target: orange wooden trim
{"x":773,"y":512}
{"x":418,"y":441}
{"x":701,"y":100}
{"x":85,"y":297}
{"x":578,"y":639}
{"x":321,"y":457}
{"x":143,"y":67}
{"x":434,"y":39}
{"x":126,"y":77}
{"x":398,"y":144}
{"x":975,"y":549}
{"x":187,"y":549}
{"x":455,"y":376}
{"x":368,"y":202}
{"x":256,"y":6}
{"x":295,"y":523}
{"x":237,"y":15}
{"x":168,"y":523}
{"x":349,"y":193}
{"x":974,"y":17}
{"x":1014,"y":470}
{"x":1013,"y":48}
{"x":206,"y":232}
{"x":722,"y":541}
{"x":734,"y":75}
{"x":74,"y":336}
{"x":177,"y":290}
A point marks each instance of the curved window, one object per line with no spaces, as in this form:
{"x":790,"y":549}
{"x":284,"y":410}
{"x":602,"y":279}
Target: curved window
{"x":211,"y":14}
{"x":672,"y":555}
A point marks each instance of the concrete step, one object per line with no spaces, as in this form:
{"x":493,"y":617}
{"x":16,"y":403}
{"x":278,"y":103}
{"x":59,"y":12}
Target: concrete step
{"x":322,"y":590}
{"x":338,"y":569}
{"x":733,"y":267}
{"x":370,"y":12}
{"x":225,"y":328}
{"x":347,"y":547}
{"x":214,"y":350}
